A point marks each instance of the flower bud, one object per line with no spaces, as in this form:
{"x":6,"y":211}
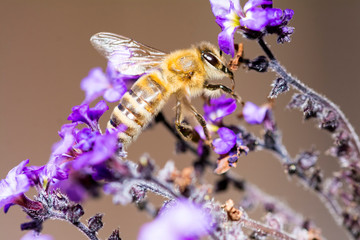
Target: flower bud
{"x":95,"y":222}
{"x":259,"y":64}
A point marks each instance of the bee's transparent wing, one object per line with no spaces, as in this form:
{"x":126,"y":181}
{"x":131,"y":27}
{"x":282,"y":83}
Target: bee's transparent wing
{"x":127,"y":56}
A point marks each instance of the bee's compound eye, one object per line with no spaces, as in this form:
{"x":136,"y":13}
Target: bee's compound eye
{"x":210,"y":58}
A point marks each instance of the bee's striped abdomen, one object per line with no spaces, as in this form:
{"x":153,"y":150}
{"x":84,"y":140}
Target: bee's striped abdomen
{"x":138,"y":106}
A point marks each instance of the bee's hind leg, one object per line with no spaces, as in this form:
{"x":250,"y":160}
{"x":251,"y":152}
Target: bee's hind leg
{"x":214,"y":87}
{"x":184,"y":129}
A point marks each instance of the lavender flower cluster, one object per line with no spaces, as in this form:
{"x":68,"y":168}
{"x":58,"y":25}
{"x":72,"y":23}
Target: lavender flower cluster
{"x":87,"y":161}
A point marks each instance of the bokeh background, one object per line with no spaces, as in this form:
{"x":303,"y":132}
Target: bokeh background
{"x":45,"y":52}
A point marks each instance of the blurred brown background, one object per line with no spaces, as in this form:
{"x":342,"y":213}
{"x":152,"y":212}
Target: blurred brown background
{"x":45,"y":52}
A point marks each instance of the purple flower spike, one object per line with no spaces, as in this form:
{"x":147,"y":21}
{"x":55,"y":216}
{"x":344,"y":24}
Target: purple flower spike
{"x":219,"y":108}
{"x":110,"y":85}
{"x":183,"y":220}
{"x":89,"y":116}
{"x":254,"y":114}
{"x":226,"y":141}
{"x":14,"y":185}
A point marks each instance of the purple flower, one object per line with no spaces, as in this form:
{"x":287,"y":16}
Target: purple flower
{"x":14,"y":186}
{"x":87,"y":115}
{"x":219,"y":108}
{"x":103,"y":147}
{"x":110,"y":85}
{"x":227,"y":16}
{"x":32,"y":235}
{"x":226,"y":141}
{"x":253,"y":19}
{"x":254,"y":114}
{"x":183,"y":220}
{"x":45,"y":175}
{"x":52,"y":172}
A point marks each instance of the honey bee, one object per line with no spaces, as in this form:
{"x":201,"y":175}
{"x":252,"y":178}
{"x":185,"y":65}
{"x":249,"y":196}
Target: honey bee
{"x":182,"y":73}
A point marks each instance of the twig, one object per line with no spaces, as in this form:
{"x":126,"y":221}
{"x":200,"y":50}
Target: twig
{"x":82,"y":227}
{"x":258,"y":227}
{"x":297,"y":84}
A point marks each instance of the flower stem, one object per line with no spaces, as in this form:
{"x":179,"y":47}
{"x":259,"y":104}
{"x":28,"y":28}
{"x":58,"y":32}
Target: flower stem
{"x":266,"y":49}
{"x":82,"y":227}
{"x":274,"y":64}
{"x":258,"y":227}
{"x":298,"y":85}
{"x":91,"y":235}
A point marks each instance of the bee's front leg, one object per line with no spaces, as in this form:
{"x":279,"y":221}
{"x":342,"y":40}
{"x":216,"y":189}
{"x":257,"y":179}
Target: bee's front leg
{"x":214,"y":87}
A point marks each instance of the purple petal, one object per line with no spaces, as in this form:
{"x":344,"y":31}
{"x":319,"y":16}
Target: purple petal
{"x":7,"y":207}
{"x":79,"y":114}
{"x":256,"y":19}
{"x":85,"y":139}
{"x":226,"y":40}
{"x":67,"y":133}
{"x":288,"y":14}
{"x":200,"y":130}
{"x":94,"y":84}
{"x":89,"y":116}
{"x":18,"y":169}
{"x":221,"y":7}
{"x":254,"y":114}
{"x":255,"y":3}
{"x":274,"y":16}
{"x":51,"y":171}
{"x":227,"y":15}
{"x":96,"y":112}
{"x":15,"y":184}
{"x":226,"y":141}
{"x":32,"y":235}
{"x":219,"y":108}
{"x":104,"y":147}
{"x":156,"y":230}
{"x":181,"y":220}
{"x":115,"y":94}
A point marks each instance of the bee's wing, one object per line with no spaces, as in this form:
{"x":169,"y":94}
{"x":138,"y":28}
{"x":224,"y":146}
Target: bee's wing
{"x":127,"y":56}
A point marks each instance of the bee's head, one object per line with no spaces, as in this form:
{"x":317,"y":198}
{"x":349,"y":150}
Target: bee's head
{"x":214,"y":62}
